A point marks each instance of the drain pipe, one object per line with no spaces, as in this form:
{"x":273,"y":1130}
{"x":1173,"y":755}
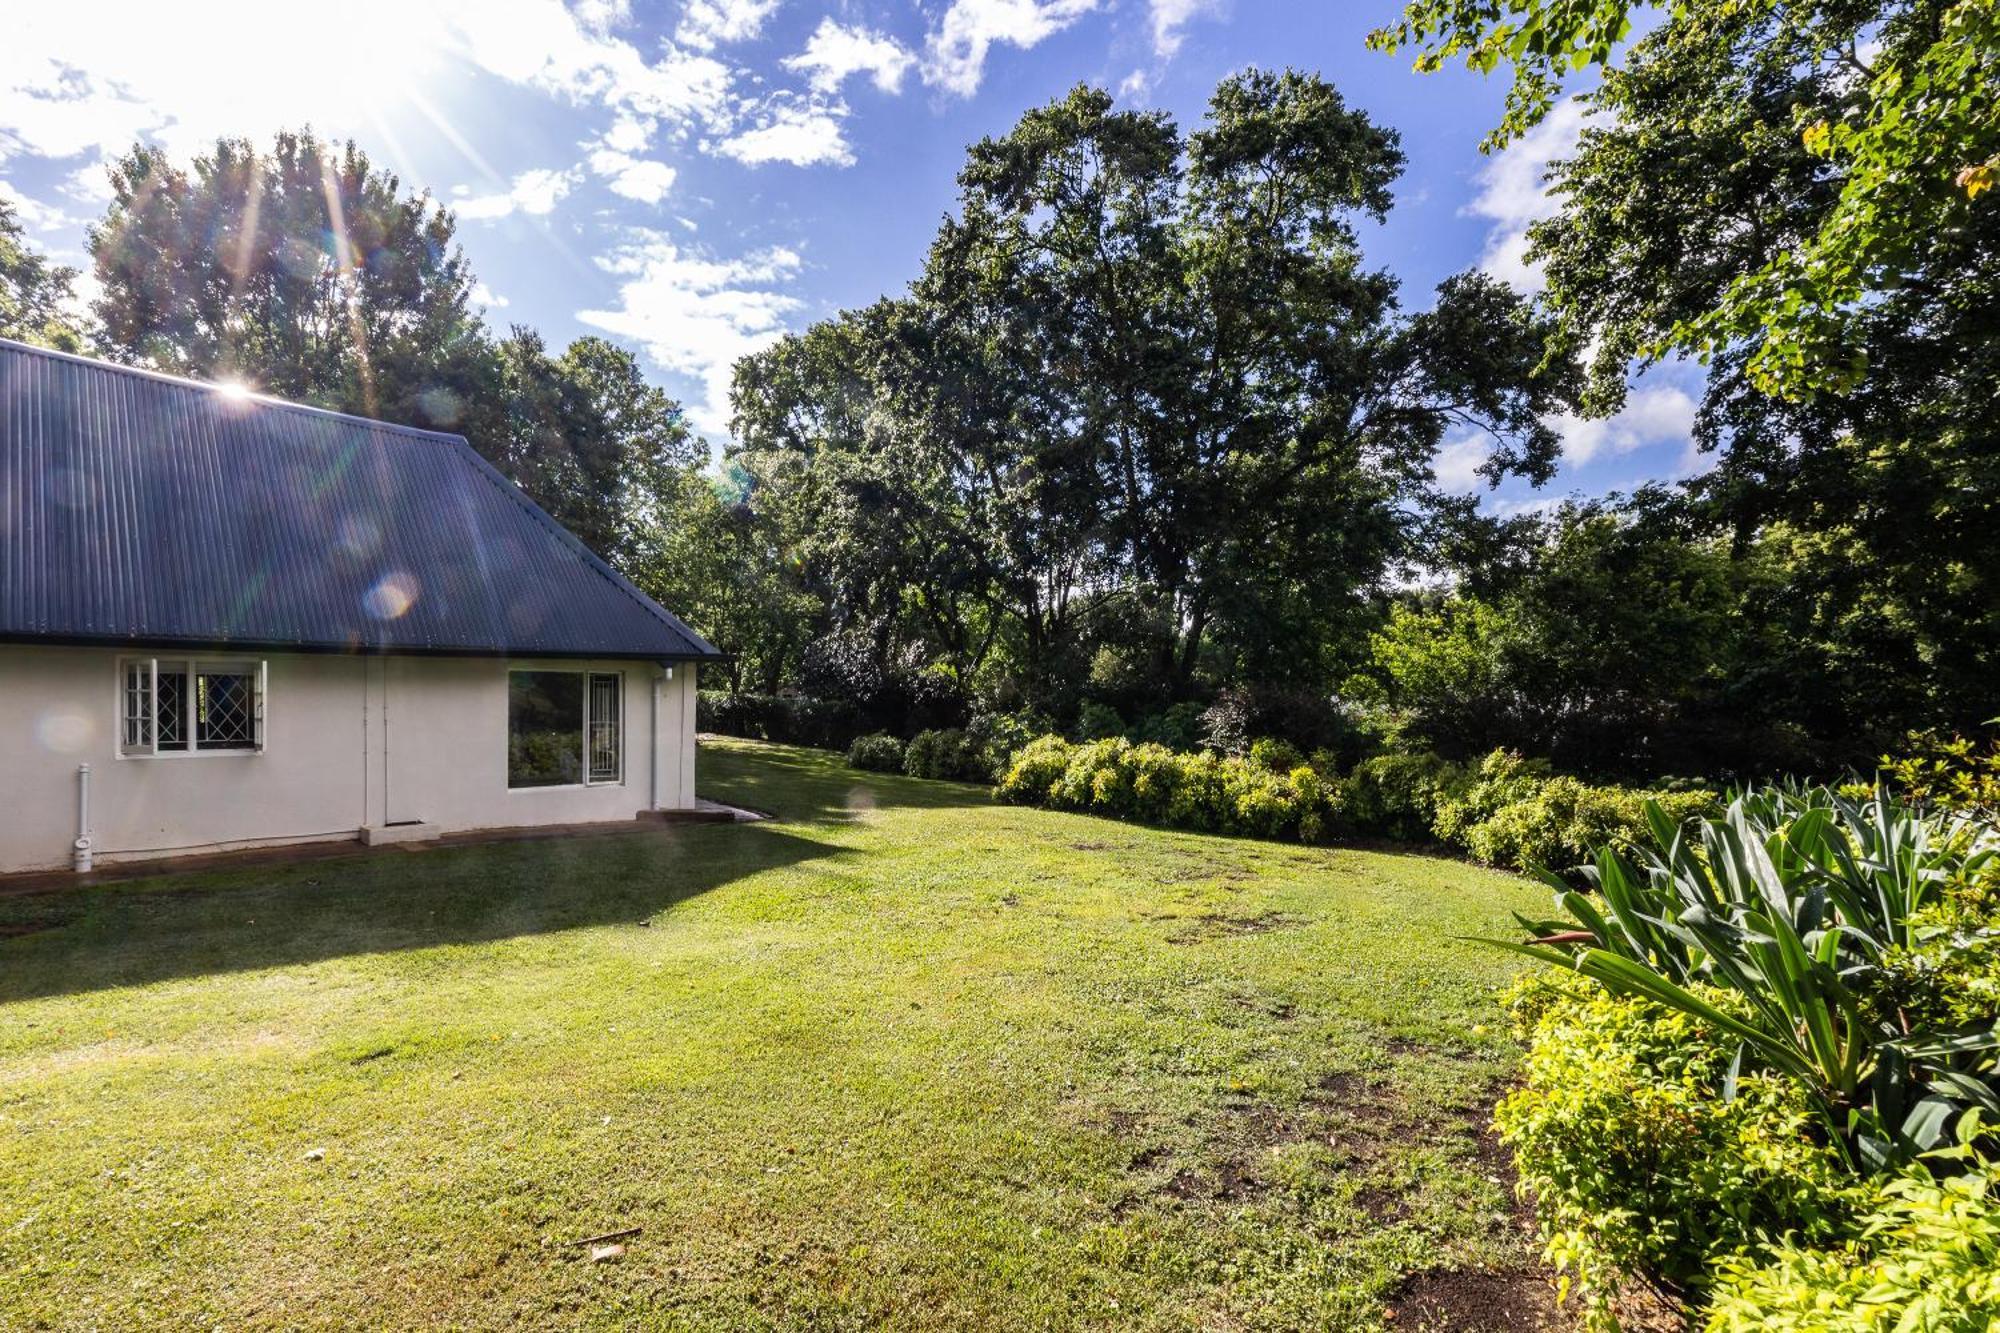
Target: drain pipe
{"x":82,"y":819}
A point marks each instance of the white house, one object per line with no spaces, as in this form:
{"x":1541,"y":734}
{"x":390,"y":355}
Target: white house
{"x":228,"y":621}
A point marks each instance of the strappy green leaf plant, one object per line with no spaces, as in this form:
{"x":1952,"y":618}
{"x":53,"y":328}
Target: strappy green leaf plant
{"x":1795,"y":898}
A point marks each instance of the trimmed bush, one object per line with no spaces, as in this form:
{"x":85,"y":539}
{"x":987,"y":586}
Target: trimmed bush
{"x":1515,"y":813}
{"x":994,"y":737}
{"x":1096,"y":722}
{"x":944,"y":754}
{"x":1397,"y":795}
{"x":877,"y":753}
{"x":1179,"y":728}
{"x":1278,"y":756}
{"x":1512,"y":812}
{"x":1207,"y":792}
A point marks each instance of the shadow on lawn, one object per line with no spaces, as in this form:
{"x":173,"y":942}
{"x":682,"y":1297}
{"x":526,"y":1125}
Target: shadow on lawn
{"x":199,"y":924}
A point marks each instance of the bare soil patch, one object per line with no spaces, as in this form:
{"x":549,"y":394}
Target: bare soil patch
{"x":1216,"y":925}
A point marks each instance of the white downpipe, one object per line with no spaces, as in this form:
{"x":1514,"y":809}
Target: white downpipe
{"x":82,"y":818}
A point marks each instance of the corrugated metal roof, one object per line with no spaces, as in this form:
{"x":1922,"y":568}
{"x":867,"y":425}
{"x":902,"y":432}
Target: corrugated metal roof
{"x":138,"y":508}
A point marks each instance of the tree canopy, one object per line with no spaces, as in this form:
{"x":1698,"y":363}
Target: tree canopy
{"x":1145,"y":397}
{"x":309,"y":273}
{"x":1798,"y":193}
{"x":35,"y":295}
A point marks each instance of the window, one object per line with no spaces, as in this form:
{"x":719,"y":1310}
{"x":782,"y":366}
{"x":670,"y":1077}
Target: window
{"x":191,"y":707}
{"x":564,"y":728}
{"x":604,"y":746}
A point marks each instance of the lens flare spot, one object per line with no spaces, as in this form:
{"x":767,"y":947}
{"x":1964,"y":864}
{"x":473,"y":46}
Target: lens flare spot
{"x":392,"y":595}
{"x":64,"y":733}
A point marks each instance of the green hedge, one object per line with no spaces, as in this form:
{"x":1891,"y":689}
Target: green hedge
{"x":1507,"y":811}
{"x":946,"y":753}
{"x":829,"y":724}
{"x":1514,"y":812}
{"x":1204,"y":791}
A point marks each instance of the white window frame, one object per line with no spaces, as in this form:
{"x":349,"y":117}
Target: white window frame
{"x":192,"y":668}
{"x":586,"y":671}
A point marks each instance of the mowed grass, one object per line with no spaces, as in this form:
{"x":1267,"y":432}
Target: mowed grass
{"x":898,"y":1057}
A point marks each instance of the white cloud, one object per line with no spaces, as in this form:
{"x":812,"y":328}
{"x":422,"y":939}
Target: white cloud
{"x":602,"y":16}
{"x":486,"y":296}
{"x":834,"y":52}
{"x":708,"y":22}
{"x":803,"y":134}
{"x":629,"y":134}
{"x":955,"y":54}
{"x":1170,"y":16}
{"x":1513,"y":194}
{"x":90,"y":79}
{"x":1456,"y":466}
{"x":696,"y":316}
{"x":89,"y":185}
{"x":1658,"y":414}
{"x":33,"y":213}
{"x":534,"y":192}
{"x":633,"y":177}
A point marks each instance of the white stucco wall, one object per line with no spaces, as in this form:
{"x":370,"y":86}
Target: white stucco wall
{"x":350,"y":743}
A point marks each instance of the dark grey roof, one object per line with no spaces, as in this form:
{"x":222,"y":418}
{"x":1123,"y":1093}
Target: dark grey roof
{"x":137,"y":508}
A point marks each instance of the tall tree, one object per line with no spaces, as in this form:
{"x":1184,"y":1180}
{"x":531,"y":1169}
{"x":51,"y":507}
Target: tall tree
{"x":35,"y":295}
{"x":1151,"y":371}
{"x":305,"y":271}
{"x":586,"y":434}
{"x":309,"y":273}
{"x":1800,"y":193}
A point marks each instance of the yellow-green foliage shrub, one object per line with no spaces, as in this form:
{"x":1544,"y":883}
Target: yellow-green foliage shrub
{"x":1397,"y":795}
{"x":1515,"y":813}
{"x":1206,"y":792}
{"x":1950,"y":771}
{"x":1638,"y":1165}
{"x":1927,"y":1257}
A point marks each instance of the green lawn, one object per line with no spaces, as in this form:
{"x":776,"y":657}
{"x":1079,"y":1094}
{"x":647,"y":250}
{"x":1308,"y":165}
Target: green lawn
{"x":899,"y":1056}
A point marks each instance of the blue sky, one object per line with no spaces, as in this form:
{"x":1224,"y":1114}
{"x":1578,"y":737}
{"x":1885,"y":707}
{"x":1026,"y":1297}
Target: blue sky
{"x":695,"y":177}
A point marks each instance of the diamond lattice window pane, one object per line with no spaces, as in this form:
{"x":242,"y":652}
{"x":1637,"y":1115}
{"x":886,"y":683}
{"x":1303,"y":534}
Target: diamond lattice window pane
{"x":223,"y":711}
{"x":172,"y":709}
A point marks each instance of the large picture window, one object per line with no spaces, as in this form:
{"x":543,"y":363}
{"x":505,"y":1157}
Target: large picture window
{"x":564,"y":728}
{"x":180,"y":706}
